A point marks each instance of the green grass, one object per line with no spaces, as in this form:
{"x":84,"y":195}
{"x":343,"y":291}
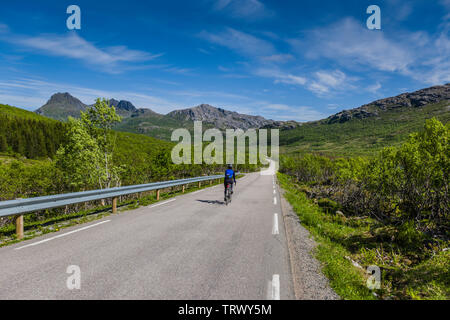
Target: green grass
{"x":361,"y":137}
{"x":408,"y":270}
{"x":21,"y":113}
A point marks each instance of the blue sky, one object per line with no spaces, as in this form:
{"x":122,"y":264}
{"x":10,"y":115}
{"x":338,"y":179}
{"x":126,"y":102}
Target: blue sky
{"x":300,"y":60}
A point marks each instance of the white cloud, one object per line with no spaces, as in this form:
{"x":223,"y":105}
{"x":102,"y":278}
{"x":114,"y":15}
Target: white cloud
{"x":374,"y":88}
{"x":280,"y":76}
{"x":240,"y":42}
{"x":332,"y":106}
{"x":330,"y":82}
{"x":279,"y":107}
{"x":114,"y":59}
{"x":248,"y":9}
{"x":278,"y":58}
{"x":297,"y":113}
{"x":418,"y":55}
{"x":322,"y":83}
{"x":350,"y":43}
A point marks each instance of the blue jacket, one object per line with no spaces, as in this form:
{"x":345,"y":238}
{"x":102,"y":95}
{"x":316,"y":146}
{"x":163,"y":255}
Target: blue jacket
{"x":230,"y":176}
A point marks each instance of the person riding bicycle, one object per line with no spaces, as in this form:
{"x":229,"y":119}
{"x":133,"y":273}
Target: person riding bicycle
{"x":230,"y":177}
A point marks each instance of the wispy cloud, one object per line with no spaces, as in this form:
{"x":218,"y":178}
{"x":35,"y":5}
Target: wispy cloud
{"x":351,"y":44}
{"x":374,"y":87}
{"x":113,"y":59}
{"x":297,"y":113}
{"x":249,"y":9}
{"x":243,"y":43}
{"x":330,"y":82}
{"x":418,"y":55}
{"x":280,"y":76}
{"x":278,"y":58}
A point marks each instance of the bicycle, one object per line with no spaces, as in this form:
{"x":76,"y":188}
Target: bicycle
{"x":228,"y":194}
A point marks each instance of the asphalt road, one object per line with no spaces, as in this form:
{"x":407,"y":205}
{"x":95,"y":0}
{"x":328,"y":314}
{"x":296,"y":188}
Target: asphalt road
{"x":188,"y":247}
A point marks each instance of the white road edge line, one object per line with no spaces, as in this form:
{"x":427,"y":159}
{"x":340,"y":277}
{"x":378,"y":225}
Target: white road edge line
{"x":274,"y":200}
{"x":160,"y":204}
{"x":275,"y":224}
{"x":274,"y":192}
{"x":62,"y":235}
{"x":276,"y":287}
{"x":198,"y":191}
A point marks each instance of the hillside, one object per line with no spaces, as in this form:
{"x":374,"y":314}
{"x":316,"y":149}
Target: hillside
{"x":369,"y":128}
{"x":28,"y":134}
{"x":34,"y":136}
{"x":361,"y":130}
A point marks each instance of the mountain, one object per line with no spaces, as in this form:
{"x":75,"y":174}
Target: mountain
{"x":60,"y":106}
{"x":148,"y":122}
{"x":415,"y":99}
{"x":223,"y":119}
{"x":360,"y":130}
{"x":371,"y":127}
{"x":123,"y":108}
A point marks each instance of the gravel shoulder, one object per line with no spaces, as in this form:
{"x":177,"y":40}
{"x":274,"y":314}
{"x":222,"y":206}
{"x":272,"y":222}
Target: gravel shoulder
{"x":309,"y":281}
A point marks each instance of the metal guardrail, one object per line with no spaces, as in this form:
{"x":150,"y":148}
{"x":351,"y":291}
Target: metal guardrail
{"x":21,"y":206}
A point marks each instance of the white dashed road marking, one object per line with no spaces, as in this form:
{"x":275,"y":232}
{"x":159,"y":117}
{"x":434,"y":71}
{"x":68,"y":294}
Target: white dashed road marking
{"x":275,"y":224}
{"x":275,"y":287}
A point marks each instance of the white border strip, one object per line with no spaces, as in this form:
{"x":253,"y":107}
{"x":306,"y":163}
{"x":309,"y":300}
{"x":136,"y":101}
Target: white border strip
{"x":62,"y":235}
{"x":160,"y":204}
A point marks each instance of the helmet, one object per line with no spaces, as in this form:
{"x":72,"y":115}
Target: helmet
{"x":230,"y":166}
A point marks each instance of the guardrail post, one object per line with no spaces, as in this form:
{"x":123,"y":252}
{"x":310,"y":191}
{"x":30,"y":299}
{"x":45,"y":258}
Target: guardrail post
{"x":210,"y":182}
{"x":199,"y":184}
{"x":19,"y":227}
{"x":157,"y":195}
{"x":183,"y":189}
{"x":114,"y":205}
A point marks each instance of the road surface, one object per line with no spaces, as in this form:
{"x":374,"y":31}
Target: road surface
{"x":188,"y":247}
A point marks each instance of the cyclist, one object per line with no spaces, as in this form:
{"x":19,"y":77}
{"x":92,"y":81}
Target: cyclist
{"x":230,"y":177}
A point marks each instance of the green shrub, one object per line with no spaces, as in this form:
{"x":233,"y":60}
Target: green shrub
{"x":328,"y":205}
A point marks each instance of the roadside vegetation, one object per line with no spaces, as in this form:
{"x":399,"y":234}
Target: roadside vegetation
{"x":391,"y":211}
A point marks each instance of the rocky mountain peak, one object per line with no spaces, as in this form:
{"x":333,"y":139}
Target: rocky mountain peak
{"x":223,"y":119}
{"x":415,"y":99}
{"x":64,"y":98}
